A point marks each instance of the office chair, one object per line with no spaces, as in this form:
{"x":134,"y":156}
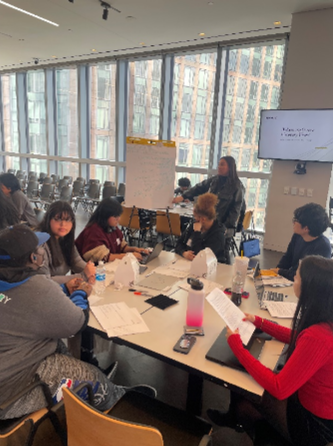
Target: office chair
{"x":108,"y":191}
{"x":169,"y":224}
{"x":130,"y":223}
{"x":22,"y":430}
{"x":136,"y":420}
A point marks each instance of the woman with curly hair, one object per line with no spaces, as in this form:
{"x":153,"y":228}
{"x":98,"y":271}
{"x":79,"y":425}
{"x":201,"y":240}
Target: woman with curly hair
{"x":204,"y":232}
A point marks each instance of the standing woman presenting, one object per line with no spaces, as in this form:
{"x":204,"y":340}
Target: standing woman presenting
{"x":230,"y":195}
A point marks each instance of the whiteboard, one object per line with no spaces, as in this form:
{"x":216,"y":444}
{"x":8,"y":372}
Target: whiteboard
{"x":150,"y":174}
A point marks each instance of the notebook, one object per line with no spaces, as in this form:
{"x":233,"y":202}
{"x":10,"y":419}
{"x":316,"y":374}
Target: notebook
{"x":221,"y":353}
{"x":155,"y":253}
{"x":263,"y":295}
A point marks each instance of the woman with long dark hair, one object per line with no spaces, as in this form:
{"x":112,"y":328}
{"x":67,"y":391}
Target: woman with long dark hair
{"x":8,"y":212}
{"x":61,"y":253}
{"x":101,"y":239}
{"x":230,"y":195}
{"x":305,"y":382}
{"x":10,"y":186}
{"x":204,"y":232}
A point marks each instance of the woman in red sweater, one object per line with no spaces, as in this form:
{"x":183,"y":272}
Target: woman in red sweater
{"x":305,"y":382}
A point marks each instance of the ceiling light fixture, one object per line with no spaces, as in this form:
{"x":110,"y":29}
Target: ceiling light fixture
{"x":106,"y":7}
{"x":28,"y":13}
{"x":71,"y":1}
{"x":202,"y":34}
{"x":277,"y":23}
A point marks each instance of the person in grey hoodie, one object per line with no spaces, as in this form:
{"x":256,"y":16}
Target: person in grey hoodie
{"x":35,"y":313}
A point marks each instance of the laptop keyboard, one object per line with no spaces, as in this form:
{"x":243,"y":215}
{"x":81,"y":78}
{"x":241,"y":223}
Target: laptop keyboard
{"x":272,"y":296}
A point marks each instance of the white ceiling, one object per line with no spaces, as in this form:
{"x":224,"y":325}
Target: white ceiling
{"x":156,"y":23}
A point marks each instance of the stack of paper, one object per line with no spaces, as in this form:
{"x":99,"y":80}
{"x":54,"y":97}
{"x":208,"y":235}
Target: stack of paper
{"x":284,"y":310}
{"x":119,"y":320}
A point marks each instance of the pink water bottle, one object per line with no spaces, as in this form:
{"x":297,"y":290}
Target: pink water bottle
{"x":195,"y":303}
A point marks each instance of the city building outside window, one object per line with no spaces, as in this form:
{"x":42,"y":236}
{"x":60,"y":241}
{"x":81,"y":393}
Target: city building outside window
{"x":36,"y":112}
{"x":9,"y":101}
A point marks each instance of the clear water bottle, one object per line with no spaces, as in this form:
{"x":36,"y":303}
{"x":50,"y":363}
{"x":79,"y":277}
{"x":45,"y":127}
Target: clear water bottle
{"x":99,"y":286}
{"x":237,"y":289}
{"x":195,"y":303}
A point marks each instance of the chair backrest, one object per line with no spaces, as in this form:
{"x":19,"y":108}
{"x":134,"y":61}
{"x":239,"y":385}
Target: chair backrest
{"x":92,"y":180}
{"x":46,"y":190}
{"x":125,"y":219}
{"x":163,"y":223}
{"x":41,"y":177}
{"x":247,"y":220}
{"x":63,"y":182}
{"x":39,"y":214}
{"x":121,"y":189}
{"x":54,"y":177}
{"x":69,"y":178}
{"x":87,"y":426}
{"x":47,"y":180}
{"x":109,"y":183}
{"x":66,"y":193}
{"x":12,"y":171}
{"x":93,"y":190}
{"x":32,"y":188}
{"x":21,"y":172}
{"x":109,"y":191}
{"x":77,"y":188}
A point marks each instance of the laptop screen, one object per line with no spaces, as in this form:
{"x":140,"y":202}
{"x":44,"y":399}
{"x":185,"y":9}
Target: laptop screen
{"x":258,"y":283}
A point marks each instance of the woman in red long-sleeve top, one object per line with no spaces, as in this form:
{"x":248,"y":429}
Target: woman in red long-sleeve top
{"x":306,"y":379}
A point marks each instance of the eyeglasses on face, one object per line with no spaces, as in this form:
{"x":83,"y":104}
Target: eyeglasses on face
{"x":58,"y":219}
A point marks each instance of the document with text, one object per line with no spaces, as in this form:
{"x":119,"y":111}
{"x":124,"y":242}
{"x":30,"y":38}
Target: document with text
{"x":231,"y":314}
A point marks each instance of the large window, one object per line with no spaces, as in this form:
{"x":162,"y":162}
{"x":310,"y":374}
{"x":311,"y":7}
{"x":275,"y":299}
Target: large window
{"x":249,"y":91}
{"x":144,"y":98}
{"x":9,"y":100}
{"x":193,"y":95}
{"x":67,"y":128}
{"x":36,"y":112}
{"x":103,"y":111}
{"x":205,"y":121}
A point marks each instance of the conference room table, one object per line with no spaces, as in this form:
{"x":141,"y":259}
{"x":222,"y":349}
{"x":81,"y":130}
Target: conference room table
{"x":166,"y":327}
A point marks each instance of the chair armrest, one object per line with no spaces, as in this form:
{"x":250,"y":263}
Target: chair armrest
{"x":7,"y":404}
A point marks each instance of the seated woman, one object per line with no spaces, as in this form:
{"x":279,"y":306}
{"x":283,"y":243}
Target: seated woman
{"x":61,"y":255}
{"x":205,"y":232}
{"x":8,"y":212}
{"x":101,"y":239}
{"x":10,"y":186}
{"x":305,"y":382}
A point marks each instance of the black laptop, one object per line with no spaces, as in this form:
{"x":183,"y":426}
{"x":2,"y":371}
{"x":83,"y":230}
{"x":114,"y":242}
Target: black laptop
{"x":221,"y":352}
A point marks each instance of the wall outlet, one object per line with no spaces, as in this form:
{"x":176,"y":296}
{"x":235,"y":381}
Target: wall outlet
{"x":301,"y":191}
{"x":293,"y":191}
{"x":309,"y":192}
{"x":286,"y":190}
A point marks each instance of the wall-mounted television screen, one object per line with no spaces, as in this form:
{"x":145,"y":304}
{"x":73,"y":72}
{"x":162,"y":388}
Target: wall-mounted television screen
{"x":297,"y":135}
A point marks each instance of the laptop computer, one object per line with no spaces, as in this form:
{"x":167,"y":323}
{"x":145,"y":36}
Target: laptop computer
{"x":262,"y":294}
{"x":155,"y":253}
{"x":221,"y":353}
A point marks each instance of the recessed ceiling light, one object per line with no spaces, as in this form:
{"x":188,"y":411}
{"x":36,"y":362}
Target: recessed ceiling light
{"x":202,"y":34}
{"x":28,"y":13}
{"x":142,"y":43}
{"x":54,"y":57}
{"x":130,"y":17}
{"x":210,"y":3}
{"x":277,"y":23}
{"x":93,"y":50}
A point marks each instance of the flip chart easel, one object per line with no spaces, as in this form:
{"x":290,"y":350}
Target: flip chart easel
{"x":150,"y":173}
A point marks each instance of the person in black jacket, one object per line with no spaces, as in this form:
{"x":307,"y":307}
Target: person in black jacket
{"x":205,"y":232}
{"x":309,"y":223}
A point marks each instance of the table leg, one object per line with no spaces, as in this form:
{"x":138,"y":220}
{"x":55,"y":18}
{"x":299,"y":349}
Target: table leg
{"x":194,"y":394}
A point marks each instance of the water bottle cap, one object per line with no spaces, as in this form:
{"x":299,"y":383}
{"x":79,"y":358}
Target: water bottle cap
{"x":100,"y":263}
{"x":196,"y":284}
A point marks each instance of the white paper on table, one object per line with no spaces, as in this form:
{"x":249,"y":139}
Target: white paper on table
{"x":113,"y":315}
{"x":284,"y":310}
{"x":209,"y":286}
{"x":231,"y":314}
{"x":139,"y":327}
{"x":276,"y":281}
